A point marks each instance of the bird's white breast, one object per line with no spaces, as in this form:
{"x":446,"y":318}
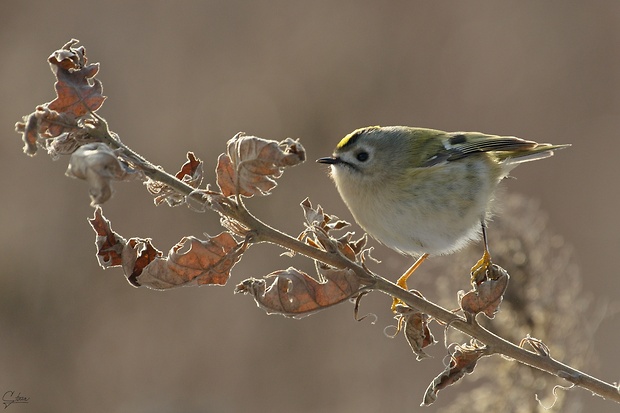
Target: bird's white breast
{"x":435,"y":216}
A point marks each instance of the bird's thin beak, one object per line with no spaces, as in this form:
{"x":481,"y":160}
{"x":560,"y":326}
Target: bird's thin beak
{"x":330,"y":160}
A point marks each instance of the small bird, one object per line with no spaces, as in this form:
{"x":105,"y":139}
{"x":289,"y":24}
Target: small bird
{"x":423,"y":191}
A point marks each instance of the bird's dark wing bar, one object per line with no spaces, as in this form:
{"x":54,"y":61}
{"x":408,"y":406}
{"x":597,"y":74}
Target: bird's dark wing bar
{"x":460,"y":146}
{"x":488,"y":144}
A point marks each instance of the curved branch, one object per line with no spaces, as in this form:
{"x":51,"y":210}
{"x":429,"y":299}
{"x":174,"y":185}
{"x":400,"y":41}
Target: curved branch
{"x":262,"y":232}
{"x":498,"y":345}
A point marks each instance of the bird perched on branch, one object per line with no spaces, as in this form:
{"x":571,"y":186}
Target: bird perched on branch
{"x":423,"y":191}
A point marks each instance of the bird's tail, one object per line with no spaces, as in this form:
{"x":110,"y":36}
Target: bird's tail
{"x":540,"y":151}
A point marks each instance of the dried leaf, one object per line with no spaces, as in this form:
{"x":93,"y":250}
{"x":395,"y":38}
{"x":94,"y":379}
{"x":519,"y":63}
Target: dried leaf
{"x":251,"y":165}
{"x":293,"y":293}
{"x":191,"y":173}
{"x":226,"y":176}
{"x":416,"y":330}
{"x":67,"y":143}
{"x":78,"y":92}
{"x":97,"y":164}
{"x":204,"y":263}
{"x":322,"y":238}
{"x":346,"y":250}
{"x":319,"y":224}
{"x":335,"y":223}
{"x":190,"y":262}
{"x":313,"y":216}
{"x":109,"y":244}
{"x":30,"y":133}
{"x":463,"y":361}
{"x":44,"y":123}
{"x":487,"y":296}
{"x":137,"y":255}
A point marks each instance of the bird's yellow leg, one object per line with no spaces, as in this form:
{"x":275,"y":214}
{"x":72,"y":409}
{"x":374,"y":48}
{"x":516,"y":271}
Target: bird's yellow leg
{"x":478,"y":271}
{"x":402,"y":281}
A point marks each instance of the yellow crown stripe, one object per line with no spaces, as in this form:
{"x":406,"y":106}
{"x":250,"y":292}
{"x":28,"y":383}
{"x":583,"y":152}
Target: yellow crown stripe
{"x":351,"y":137}
{"x":345,"y":140}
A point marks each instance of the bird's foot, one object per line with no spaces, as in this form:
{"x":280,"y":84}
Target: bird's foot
{"x":402,"y":281}
{"x":479,"y":270}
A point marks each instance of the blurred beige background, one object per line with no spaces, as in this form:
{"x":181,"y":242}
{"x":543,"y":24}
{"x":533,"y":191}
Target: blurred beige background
{"x":188,"y":75}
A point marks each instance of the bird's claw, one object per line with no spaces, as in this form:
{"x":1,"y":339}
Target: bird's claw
{"x":479,"y":270}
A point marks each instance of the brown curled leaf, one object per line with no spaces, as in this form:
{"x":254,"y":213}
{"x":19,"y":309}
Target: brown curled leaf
{"x":78,"y":92}
{"x":315,"y":217}
{"x":226,"y":176}
{"x":190,"y":262}
{"x":293,"y":293}
{"x":417,"y":333}
{"x":138,"y":254}
{"x":252,"y":165}
{"x":113,"y":250}
{"x":202,"y":263}
{"x":322,"y":238}
{"x":191,"y":173}
{"x":463,"y":361}
{"x":109,"y":244}
{"x":345,"y":249}
{"x":487,"y":296}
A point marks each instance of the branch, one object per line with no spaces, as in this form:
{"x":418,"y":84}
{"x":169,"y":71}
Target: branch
{"x":69,"y":125}
{"x":262,"y":232}
{"x":541,"y":359}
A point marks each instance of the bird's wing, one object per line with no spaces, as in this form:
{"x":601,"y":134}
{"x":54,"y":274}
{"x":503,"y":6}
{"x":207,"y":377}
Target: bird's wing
{"x":460,"y":145}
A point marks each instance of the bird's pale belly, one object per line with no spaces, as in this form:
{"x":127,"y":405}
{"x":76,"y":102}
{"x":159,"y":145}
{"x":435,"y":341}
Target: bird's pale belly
{"x":434,"y":220}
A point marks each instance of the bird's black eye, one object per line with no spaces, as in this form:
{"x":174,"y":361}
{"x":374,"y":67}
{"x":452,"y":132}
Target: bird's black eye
{"x":362,"y":156}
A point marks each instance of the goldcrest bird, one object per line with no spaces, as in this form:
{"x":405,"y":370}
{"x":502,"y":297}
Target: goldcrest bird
{"x":424,"y":191}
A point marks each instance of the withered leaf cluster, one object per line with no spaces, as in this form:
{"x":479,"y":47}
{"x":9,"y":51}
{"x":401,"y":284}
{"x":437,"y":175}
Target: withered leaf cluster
{"x":485,"y":297}
{"x":64,"y":125}
{"x":78,"y":94}
{"x":293,"y":293}
{"x":68,"y":125}
{"x":206,"y":262}
{"x":463,"y":360}
{"x":191,"y":262}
